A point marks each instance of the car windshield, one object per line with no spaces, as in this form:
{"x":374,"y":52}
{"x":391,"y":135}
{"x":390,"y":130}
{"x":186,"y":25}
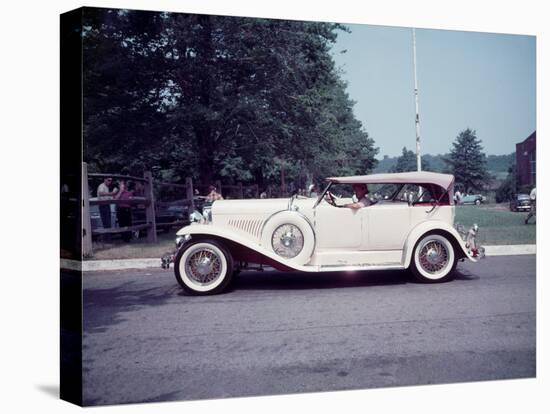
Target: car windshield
{"x":408,"y":193}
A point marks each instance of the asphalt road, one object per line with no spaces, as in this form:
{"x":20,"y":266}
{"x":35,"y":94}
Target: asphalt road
{"x":278,"y":333}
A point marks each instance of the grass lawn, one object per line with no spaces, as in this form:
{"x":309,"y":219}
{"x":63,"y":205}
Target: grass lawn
{"x":497,"y":225}
{"x":136,"y":249}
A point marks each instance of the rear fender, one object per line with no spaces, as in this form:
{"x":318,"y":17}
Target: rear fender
{"x":439,"y":227}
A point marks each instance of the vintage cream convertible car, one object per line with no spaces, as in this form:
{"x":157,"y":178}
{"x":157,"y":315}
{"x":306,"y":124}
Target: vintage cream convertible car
{"x":409,"y":223}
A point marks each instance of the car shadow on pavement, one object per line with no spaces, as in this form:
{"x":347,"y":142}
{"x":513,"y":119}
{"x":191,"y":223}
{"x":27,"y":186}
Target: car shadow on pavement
{"x":329,"y":280}
{"x":463,"y":274}
{"x":274,"y":280}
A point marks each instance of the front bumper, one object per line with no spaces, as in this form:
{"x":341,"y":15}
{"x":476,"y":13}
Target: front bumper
{"x":523,"y":208}
{"x":170,"y":257}
{"x":166,"y":259}
{"x":478,"y":252}
{"x":473,"y":248}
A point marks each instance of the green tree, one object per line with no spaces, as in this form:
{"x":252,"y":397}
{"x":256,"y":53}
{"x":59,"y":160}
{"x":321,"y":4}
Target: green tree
{"x":508,"y":188}
{"x":217,"y":98}
{"x":467,"y":162}
{"x":407,"y":162}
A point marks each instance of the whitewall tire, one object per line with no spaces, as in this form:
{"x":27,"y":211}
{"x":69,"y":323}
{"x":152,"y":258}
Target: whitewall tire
{"x":434,"y":259}
{"x":204,"y":267}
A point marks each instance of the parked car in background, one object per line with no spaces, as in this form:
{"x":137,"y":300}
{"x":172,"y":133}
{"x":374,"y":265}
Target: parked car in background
{"x":410,"y":226}
{"x":171,"y":214}
{"x":476,"y":199}
{"x":167,"y":215}
{"x":520,"y":202}
{"x":95,"y":216}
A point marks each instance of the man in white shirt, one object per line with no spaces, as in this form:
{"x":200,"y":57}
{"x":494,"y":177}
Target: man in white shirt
{"x":458,"y":197}
{"x":104,"y":193}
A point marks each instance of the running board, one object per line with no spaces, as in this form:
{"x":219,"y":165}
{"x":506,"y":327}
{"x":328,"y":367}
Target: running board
{"x":360,"y":267}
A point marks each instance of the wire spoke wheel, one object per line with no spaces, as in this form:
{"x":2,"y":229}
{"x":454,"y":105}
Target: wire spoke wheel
{"x":287,"y":241}
{"x":434,"y":256}
{"x":434,"y":259}
{"x":203,"y":266}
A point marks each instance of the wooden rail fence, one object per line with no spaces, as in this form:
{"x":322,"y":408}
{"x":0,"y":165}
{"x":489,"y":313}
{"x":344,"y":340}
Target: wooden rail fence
{"x":148,"y":203}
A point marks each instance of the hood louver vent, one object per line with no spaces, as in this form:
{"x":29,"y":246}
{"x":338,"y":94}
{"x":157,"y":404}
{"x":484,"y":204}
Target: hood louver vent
{"x":252,"y":227}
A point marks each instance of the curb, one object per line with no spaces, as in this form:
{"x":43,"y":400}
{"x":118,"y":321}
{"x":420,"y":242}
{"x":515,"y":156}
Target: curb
{"x":511,"y":250}
{"x":118,"y":264}
{"x":123,"y":264}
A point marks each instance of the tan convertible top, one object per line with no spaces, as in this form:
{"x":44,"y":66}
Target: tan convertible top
{"x":416,"y":177}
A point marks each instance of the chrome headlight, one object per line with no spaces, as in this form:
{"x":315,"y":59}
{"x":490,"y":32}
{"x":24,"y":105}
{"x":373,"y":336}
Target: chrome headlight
{"x":182,"y":239}
{"x":196,"y":217}
{"x":207,"y":213}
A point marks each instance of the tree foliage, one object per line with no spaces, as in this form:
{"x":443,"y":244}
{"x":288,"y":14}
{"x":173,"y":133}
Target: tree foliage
{"x":467,"y":162}
{"x":506,"y":191}
{"x":497,"y":164}
{"x":215,"y":97}
{"x":407,"y":162}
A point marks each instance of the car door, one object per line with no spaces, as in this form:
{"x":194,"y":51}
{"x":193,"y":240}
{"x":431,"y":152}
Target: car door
{"x":338,"y":228}
{"x":386,"y":225}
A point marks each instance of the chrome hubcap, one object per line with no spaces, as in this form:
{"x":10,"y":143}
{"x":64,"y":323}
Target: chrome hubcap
{"x":288,"y":239}
{"x":434,"y":256}
{"x":203,"y":266}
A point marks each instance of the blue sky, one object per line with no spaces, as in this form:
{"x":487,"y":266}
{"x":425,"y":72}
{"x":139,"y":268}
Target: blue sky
{"x":481,"y":81}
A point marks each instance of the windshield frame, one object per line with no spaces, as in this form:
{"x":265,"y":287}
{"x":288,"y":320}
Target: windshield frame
{"x":322,"y":194}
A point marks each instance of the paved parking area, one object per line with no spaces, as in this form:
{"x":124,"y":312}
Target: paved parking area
{"x":288,"y":332}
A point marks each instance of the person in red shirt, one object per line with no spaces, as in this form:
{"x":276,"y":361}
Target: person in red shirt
{"x":124,"y":210}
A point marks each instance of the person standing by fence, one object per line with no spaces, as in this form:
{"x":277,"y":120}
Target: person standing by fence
{"x":213,"y":195}
{"x":104,"y":193}
{"x":124,"y":210}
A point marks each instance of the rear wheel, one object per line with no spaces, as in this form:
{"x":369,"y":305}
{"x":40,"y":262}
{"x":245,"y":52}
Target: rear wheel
{"x":204,"y":268}
{"x":434,"y":259}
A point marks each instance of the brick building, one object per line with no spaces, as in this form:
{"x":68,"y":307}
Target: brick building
{"x":526,"y":161}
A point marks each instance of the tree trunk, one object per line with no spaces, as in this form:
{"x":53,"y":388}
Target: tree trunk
{"x":203,"y":127}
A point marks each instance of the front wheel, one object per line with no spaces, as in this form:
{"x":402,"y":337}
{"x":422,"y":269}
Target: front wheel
{"x":203,"y":268}
{"x":434,"y":259}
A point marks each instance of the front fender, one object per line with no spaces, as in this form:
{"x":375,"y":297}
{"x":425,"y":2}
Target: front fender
{"x":434,"y":226}
{"x":202,"y":230}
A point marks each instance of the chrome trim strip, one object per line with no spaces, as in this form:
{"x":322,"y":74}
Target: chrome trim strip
{"x":340,"y":268}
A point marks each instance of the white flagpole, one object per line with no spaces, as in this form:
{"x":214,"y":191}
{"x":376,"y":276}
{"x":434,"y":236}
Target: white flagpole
{"x":417,"y":120}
